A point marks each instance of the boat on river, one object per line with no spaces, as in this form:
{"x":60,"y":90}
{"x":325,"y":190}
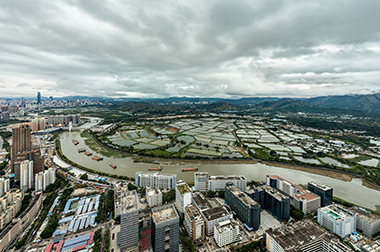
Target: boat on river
{"x":155,"y":168}
{"x":113,"y":166}
{"x":190,"y":169}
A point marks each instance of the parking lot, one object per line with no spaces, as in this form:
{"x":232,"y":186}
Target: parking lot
{"x":267,"y":221}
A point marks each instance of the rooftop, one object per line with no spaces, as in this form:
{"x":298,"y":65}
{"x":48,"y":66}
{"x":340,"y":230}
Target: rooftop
{"x":226,"y":225}
{"x":320,"y":186}
{"x":151,"y":191}
{"x":183,"y":187}
{"x":365,"y":214}
{"x":164,"y":213}
{"x":301,"y":194}
{"x":299,"y":234}
{"x":229,"y":177}
{"x":270,"y":190}
{"x":337,"y":212}
{"x":241,"y":196}
{"x":193,"y":212}
{"x":128,"y":201}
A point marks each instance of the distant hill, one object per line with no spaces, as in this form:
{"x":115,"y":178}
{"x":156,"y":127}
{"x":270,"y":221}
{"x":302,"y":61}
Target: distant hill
{"x":220,"y":106}
{"x":289,"y":105}
{"x":369,"y":103}
{"x":143,"y":107}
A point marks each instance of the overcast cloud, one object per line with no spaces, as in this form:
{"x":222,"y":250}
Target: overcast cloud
{"x":189,"y":48}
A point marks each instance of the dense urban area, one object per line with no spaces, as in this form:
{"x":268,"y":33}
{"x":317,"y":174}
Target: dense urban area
{"x":91,"y":174}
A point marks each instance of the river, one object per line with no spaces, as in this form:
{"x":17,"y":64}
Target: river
{"x":352,"y":191}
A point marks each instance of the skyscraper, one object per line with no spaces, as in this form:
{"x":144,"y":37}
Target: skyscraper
{"x":129,"y":220}
{"x":38,"y":98}
{"x":22,"y":150}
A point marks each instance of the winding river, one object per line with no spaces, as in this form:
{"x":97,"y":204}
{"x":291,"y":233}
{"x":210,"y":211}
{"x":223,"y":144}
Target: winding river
{"x":352,"y":191}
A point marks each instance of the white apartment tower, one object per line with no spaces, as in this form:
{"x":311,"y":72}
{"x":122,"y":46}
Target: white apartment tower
{"x":26,"y":175}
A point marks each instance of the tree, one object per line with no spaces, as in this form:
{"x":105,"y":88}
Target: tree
{"x":131,"y":187}
{"x":211,"y":193}
{"x":221,"y":193}
{"x":84,"y":176}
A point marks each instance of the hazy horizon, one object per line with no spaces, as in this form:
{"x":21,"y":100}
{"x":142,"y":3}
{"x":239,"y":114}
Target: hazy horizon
{"x":211,"y":49}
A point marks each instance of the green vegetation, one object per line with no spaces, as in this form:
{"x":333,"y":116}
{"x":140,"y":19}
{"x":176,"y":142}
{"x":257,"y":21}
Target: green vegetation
{"x":169,"y":196}
{"x":107,"y":240}
{"x":296,"y":213}
{"x":110,"y":202}
{"x":51,"y":226}
{"x":186,"y":242}
{"x":221,"y":193}
{"x":252,"y":246}
{"x":101,"y":212}
{"x":84,"y":176}
{"x":24,"y":204}
{"x":64,"y":197}
{"x":131,"y":187}
{"x":97,"y":240}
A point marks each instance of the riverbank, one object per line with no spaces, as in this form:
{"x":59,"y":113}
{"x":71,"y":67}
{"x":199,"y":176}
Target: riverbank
{"x":328,"y":172}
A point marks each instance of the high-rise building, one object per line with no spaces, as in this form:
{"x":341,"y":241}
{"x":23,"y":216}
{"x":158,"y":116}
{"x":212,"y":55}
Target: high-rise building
{"x":163,"y":181}
{"x":194,"y":224}
{"x":4,"y":185}
{"x":38,"y":124}
{"x":303,"y":236}
{"x":226,"y":232}
{"x":182,"y":195}
{"x":302,"y":199}
{"x":22,"y":150}
{"x":21,"y":138}
{"x":204,"y":182}
{"x":272,"y":200}
{"x":153,"y":196}
{"x":323,"y":191}
{"x":337,"y":219}
{"x":212,"y":212}
{"x":129,"y":220}
{"x":38,"y":98}
{"x":50,"y":98}
{"x":165,"y":228}
{"x":246,"y":209}
{"x":44,"y":179}
{"x":26,"y":175}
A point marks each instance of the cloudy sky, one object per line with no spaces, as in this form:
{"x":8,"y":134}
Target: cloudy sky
{"x":197,"y":48}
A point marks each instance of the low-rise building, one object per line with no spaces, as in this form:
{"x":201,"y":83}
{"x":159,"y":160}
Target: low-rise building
{"x":195,"y":224}
{"x":226,"y":232}
{"x":10,"y":205}
{"x":303,"y":236}
{"x":182,"y":195}
{"x":211,"y":211}
{"x":246,"y":209}
{"x":153,"y":196}
{"x":337,"y":219}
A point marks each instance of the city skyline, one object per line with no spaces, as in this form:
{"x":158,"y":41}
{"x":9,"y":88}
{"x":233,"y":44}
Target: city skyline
{"x":195,"y":49}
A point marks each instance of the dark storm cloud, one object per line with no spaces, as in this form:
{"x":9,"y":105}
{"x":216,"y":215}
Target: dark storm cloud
{"x":189,"y":48}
